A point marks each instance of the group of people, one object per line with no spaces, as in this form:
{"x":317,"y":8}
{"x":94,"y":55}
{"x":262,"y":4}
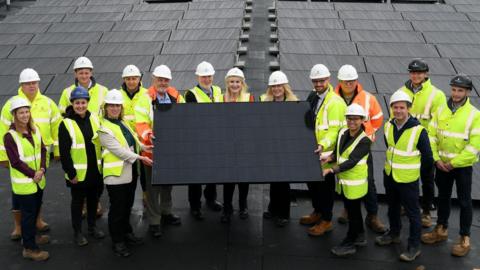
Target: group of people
{"x":105,"y":138}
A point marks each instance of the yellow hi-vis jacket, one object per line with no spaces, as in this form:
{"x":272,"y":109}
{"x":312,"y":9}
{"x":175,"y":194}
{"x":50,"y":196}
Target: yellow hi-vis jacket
{"x":97,"y":97}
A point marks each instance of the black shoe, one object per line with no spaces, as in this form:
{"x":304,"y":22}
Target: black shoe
{"x":96,"y":233}
{"x":387,"y":239}
{"x":215,"y":205}
{"x":268,"y":215}
{"x":360,"y":241}
{"x":155,"y":230}
{"x":80,"y":240}
{"x":410,"y":254}
{"x":121,"y":250}
{"x":243,"y":214}
{"x":171,"y":219}
{"x":226,"y":218}
{"x":281,"y":222}
{"x":197,"y":214}
{"x":347,"y":247}
{"x":133,"y":240}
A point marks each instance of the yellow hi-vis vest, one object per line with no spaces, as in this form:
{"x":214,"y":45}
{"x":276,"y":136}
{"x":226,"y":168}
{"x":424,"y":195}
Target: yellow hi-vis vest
{"x":455,"y":137}
{"x":97,"y":97}
{"x":403,"y":158}
{"x":78,"y":151}
{"x":130,"y":104}
{"x":353,"y":183}
{"x":112,"y":165}
{"x":244,"y":97}
{"x":201,"y":97}
{"x":32,"y":156}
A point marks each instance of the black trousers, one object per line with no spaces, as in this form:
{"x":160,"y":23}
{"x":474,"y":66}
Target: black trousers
{"x":355,"y":219}
{"x":121,"y":202}
{"x":280,"y":200}
{"x":79,"y":195}
{"x":195,"y":194}
{"x":406,"y":195}
{"x":228,"y":190}
{"x":323,"y":195}
{"x":428,"y":193}
{"x":29,"y":206}
{"x":463,"y":182}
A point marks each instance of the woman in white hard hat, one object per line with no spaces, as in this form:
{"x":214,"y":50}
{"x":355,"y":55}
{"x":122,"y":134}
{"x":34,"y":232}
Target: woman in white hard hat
{"x":120,"y":171}
{"x":236,"y":90}
{"x":279,"y":207}
{"x":81,"y":160}
{"x":27,"y":156}
{"x":350,"y":156}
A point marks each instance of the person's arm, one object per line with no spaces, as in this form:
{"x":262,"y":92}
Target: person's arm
{"x":362,"y":149}
{"x":110,"y":143}
{"x":190,"y":97}
{"x":5,"y":122}
{"x":143,"y":114}
{"x":43,"y":157}
{"x":336,"y":118}
{"x":55,"y":120}
{"x":469,"y":154}
{"x":432,"y":136}
{"x":376,"y":114}
{"x":65,"y":145}
{"x":14,"y":158}
{"x":423,"y":145}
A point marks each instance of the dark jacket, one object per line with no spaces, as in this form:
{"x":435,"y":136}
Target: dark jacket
{"x":362,"y":149}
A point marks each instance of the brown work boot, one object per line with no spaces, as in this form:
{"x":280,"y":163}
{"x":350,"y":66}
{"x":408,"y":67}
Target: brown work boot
{"x":17,"y":230}
{"x":99,"y":210}
{"x":439,"y":234}
{"x":426,"y":220}
{"x":375,"y":224}
{"x":42,"y":239}
{"x":343,"y":218}
{"x":310,"y":219}
{"x":462,"y":247}
{"x":36,"y":255}
{"x":321,"y":228}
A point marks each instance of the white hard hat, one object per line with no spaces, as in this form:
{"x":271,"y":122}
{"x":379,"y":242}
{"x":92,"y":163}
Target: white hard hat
{"x":399,"y":95}
{"x":82,"y":62}
{"x":114,"y":96}
{"x":131,"y":71}
{"x":347,"y":73}
{"x":235,"y":72}
{"x":18,"y":102}
{"x":205,"y":69}
{"x":276,"y":78}
{"x":162,"y":71}
{"x":355,"y":109}
{"x":319,"y":71}
{"x":28,"y":75}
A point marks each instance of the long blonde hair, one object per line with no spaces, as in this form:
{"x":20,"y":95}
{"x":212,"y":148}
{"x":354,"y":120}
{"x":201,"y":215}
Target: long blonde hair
{"x":105,"y":113}
{"x":244,"y":90}
{"x":289,"y":95}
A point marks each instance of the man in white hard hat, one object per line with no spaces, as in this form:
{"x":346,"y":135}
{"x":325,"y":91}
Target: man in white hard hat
{"x":203,"y":92}
{"x":409,"y":155}
{"x":83,"y":71}
{"x":132,"y":90}
{"x":327,"y":116}
{"x":352,"y":92}
{"x":46,"y":117}
{"x":158,"y":200}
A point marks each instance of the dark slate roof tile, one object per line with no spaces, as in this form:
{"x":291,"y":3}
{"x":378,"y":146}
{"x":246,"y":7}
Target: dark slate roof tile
{"x":452,"y":37}
{"x":153,"y":15}
{"x":444,"y":26}
{"x":468,"y":8}
{"x":216,"y":5}
{"x":47,"y":10}
{"x":395,"y":49}
{"x":376,"y":64}
{"x":423,"y":7}
{"x":310,"y":23}
{"x":5,"y":50}
{"x":163,"y":6}
{"x":459,"y":50}
{"x":23,"y":28}
{"x":34,"y":18}
{"x":123,"y":49}
{"x":302,"y":5}
{"x":135,"y":36}
{"x":10,"y":85}
{"x":364,"y":6}
{"x":60,"y":3}
{"x":218,"y":14}
{"x":460,"y":2}
{"x":474,"y":16}
{"x":387,"y":36}
{"x":49,"y":50}
{"x":177,"y":62}
{"x":203,"y":46}
{"x":467,"y":66}
{"x":209,"y":24}
{"x":104,"y":8}
{"x":94,"y":17}
{"x":15,"y":39}
{"x":145,"y":25}
{"x":113,"y":2}
{"x":81,"y":27}
{"x":434,"y":16}
{"x":313,"y":34}
{"x":370,"y":15}
{"x":205,"y":34}
{"x":389,"y":83}
{"x":60,"y":82}
{"x":41,"y":65}
{"x":377,"y":25}
{"x":66,"y":38}
{"x":107,"y":64}
{"x":299,"y":80}
{"x":307,"y":61}
{"x":318,"y":47}
{"x":312,"y":13}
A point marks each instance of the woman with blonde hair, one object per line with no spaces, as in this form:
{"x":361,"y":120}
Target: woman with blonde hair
{"x":279,"y":207}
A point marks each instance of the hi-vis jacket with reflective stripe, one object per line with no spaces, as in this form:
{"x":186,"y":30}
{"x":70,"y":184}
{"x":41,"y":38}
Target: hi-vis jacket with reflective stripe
{"x":97,"y":97}
{"x":425,"y":102}
{"x":201,"y":97}
{"x":31,"y":155}
{"x":130,"y":104}
{"x":46,"y":117}
{"x":244,"y":97}
{"x":403,"y":158}
{"x":112,"y":165}
{"x":78,"y":151}
{"x":455,"y":137}
{"x":353,"y":183}
{"x":328,"y":122}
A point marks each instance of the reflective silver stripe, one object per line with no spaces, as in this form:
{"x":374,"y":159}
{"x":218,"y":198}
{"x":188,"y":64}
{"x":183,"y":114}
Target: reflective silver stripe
{"x":71,"y":130}
{"x":80,"y":166}
{"x":334,"y":123}
{"x":367,"y":106}
{"x":31,"y":158}
{"x":22,"y":180}
{"x":78,"y":146}
{"x":129,"y":117}
{"x":113,"y":164}
{"x":141,"y":110}
{"x":19,"y":144}
{"x":352,"y":182}
{"x":322,"y":127}
{"x":2,"y":148}
{"x":41,"y":120}
{"x":145,"y":134}
{"x":403,"y":153}
{"x":377,"y":116}
{"x":447,"y":154}
{"x":452,"y":134}
{"x":475,"y":131}
{"x":6,"y":121}
{"x":471,"y":149}
{"x":405,"y":166}
{"x":426,"y":111}
{"x":412,"y":138}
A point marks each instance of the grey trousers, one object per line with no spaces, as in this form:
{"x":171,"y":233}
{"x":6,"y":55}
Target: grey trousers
{"x":158,"y":199}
